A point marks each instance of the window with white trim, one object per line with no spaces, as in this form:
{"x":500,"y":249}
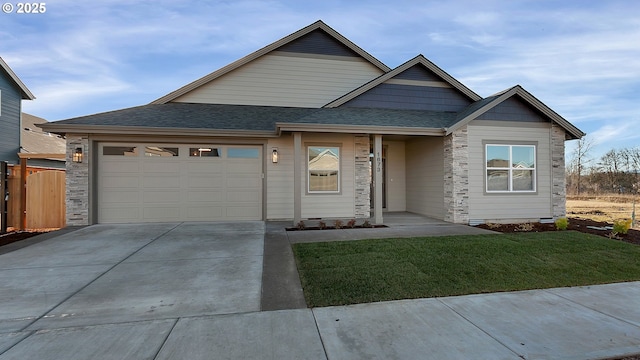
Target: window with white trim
{"x":323,"y":169}
{"x":510,"y":168}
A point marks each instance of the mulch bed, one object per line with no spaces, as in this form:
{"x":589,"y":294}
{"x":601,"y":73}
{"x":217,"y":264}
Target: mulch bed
{"x":577,"y":224}
{"x":12,"y":237}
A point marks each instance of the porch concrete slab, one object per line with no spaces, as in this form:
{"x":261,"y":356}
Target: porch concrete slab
{"x":406,"y":329}
{"x":620,"y":300}
{"x":10,"y":339}
{"x":286,"y":334}
{"x":135,"y":291}
{"x":97,"y":244}
{"x":541,"y":325}
{"x":139,"y":340}
{"x":29,"y":293}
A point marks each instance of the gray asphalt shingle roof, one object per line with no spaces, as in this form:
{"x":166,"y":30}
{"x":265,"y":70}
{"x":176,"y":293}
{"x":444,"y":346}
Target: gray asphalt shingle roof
{"x":258,"y":118}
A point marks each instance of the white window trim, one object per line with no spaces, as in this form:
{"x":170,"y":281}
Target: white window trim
{"x":327,"y":192}
{"x":510,"y":170}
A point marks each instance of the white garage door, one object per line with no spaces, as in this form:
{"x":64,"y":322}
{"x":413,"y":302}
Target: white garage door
{"x":199,"y":182}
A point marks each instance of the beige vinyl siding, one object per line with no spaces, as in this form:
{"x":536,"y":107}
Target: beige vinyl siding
{"x":280,"y":179}
{"x":276,"y":80}
{"x":395,"y":181}
{"x":506,"y":207}
{"x":425,"y":176}
{"x":340,"y":205}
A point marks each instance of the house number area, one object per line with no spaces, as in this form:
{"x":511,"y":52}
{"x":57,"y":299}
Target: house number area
{"x":24,"y":8}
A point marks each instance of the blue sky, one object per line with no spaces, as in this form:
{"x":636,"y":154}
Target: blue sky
{"x":581,"y":58}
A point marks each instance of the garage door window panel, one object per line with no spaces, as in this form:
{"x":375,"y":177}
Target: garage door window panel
{"x":157,"y":151}
{"x":204,"y":151}
{"x":243,"y":153}
{"x":120,"y":151}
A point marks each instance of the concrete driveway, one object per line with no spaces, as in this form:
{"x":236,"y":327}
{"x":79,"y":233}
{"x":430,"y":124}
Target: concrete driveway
{"x":193,"y":291}
{"x":117,"y":291}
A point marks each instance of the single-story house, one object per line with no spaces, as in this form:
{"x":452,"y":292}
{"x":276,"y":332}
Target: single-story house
{"x":314,"y":127}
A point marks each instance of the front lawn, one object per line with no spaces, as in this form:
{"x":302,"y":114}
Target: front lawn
{"x":338,"y":273}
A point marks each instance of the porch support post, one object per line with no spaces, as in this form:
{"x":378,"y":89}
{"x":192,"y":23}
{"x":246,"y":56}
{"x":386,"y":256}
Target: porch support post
{"x":377,"y":179}
{"x":297,"y":178}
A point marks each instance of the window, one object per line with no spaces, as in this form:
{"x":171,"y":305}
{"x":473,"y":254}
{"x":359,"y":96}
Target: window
{"x":243,"y":153}
{"x":160,"y":151}
{"x":511,"y":168}
{"x":323,"y":168}
{"x":204,"y":151}
{"x":120,"y":150}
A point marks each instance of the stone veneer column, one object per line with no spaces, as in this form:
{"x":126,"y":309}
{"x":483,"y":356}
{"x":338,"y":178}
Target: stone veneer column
{"x":77,"y":186}
{"x":363,"y":177}
{"x":558,"y":187}
{"x":456,"y":177}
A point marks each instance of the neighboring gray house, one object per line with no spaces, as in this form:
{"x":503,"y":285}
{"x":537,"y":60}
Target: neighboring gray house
{"x":312,"y":126}
{"x":12,"y":92}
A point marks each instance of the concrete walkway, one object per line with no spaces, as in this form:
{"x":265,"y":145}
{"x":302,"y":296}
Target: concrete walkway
{"x":196,"y":291}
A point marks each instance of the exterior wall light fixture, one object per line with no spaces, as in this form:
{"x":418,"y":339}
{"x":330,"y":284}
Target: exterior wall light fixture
{"x":77,"y":155}
{"x":274,"y":155}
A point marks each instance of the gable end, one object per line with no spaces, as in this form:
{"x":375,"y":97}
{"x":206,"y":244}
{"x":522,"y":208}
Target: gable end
{"x":419,"y":73}
{"x":513,"y":109}
{"x":411,"y":97}
{"x":318,"y":42}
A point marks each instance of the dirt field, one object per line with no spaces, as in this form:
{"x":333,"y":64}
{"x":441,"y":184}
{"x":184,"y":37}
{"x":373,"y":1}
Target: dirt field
{"x":603,"y":208}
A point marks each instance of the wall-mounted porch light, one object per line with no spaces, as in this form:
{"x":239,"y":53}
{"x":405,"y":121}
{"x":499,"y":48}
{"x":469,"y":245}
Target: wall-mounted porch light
{"x":274,"y":155}
{"x":77,"y":155}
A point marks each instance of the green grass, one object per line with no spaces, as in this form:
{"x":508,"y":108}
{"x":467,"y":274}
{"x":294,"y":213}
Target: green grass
{"x":350,"y":272}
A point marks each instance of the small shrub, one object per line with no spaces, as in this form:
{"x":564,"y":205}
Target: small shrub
{"x":525,"y":227}
{"x":338,"y":224}
{"x":493,"y":225}
{"x":300,"y":225}
{"x":366,"y":224}
{"x":621,"y":226}
{"x":322,"y":225}
{"x":351,"y":224}
{"x":562,"y":223}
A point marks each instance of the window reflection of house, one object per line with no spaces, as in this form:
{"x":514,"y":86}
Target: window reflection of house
{"x":324,"y":166}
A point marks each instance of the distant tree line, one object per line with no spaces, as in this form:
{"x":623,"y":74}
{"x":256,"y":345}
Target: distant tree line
{"x":616,"y":172}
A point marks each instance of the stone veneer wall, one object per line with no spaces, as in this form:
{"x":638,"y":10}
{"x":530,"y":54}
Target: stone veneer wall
{"x":456,"y":176}
{"x":77,"y":190}
{"x":363,"y":177}
{"x":558,"y":187}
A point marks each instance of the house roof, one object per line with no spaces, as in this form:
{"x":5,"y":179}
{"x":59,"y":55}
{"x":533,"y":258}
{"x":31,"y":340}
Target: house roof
{"x":165,"y":117}
{"x":34,"y":140}
{"x":420,"y":59}
{"x":318,"y":25}
{"x":482,"y":106}
{"x":24,"y":91}
{"x":249,"y":120}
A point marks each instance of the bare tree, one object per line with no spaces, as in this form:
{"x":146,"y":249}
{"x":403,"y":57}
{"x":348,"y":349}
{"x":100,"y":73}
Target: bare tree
{"x":579,"y":160}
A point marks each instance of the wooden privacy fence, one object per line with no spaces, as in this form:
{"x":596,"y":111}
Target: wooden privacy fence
{"x":45,"y":200}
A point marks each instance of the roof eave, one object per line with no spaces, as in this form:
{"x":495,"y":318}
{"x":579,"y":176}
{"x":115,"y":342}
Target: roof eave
{"x":359,"y":129}
{"x":25,"y":92}
{"x":144,"y":130}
